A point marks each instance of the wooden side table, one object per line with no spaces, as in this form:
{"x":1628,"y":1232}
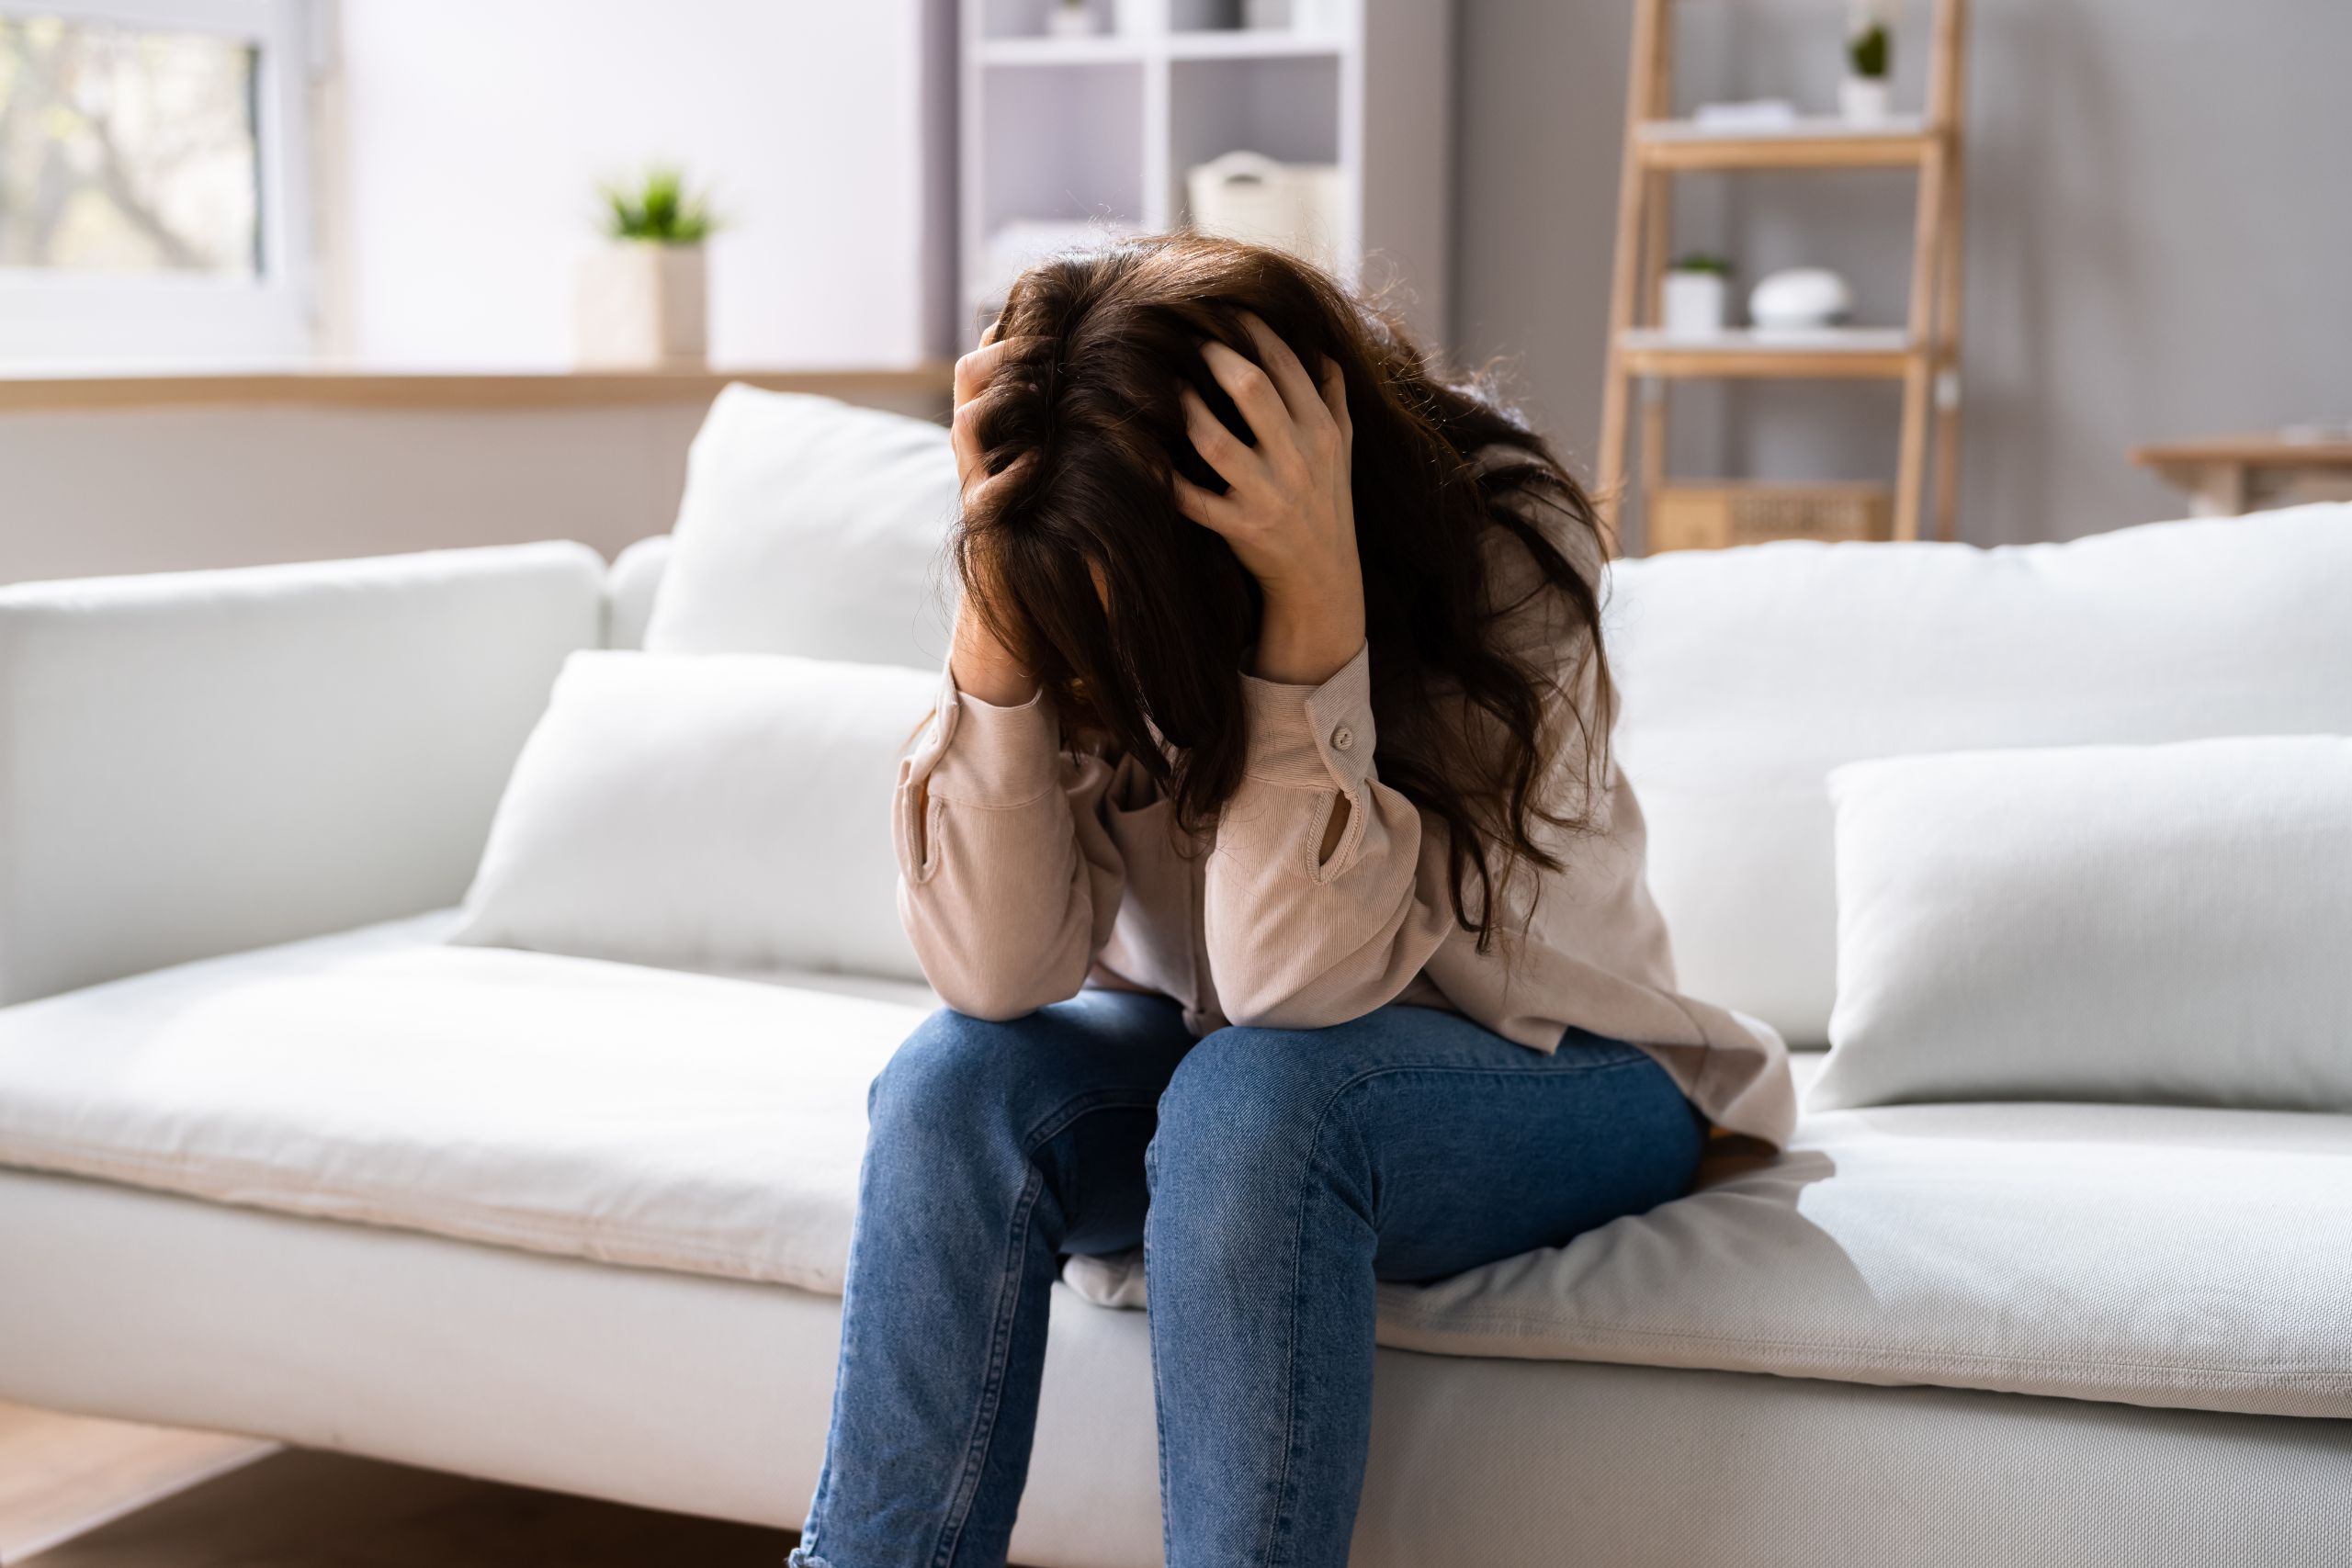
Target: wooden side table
{"x":2231,"y":474}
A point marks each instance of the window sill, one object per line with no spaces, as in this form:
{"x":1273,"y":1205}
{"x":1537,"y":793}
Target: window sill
{"x":393,"y":389}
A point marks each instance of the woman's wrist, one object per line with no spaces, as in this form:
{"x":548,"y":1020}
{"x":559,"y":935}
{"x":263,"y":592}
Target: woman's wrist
{"x":1306,"y":643}
{"x":995,"y":681}
{"x":984,"y":668}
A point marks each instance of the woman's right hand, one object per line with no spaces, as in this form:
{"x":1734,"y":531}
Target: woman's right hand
{"x":983,"y":666}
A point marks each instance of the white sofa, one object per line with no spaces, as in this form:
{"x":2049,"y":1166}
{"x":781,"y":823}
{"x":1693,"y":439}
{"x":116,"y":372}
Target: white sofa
{"x":274,"y":1159}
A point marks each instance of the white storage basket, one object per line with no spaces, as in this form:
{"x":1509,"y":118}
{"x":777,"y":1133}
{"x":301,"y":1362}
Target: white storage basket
{"x":1291,"y":207}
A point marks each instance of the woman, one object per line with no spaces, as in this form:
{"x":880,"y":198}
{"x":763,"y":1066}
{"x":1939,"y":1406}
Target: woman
{"x":1289,"y":908}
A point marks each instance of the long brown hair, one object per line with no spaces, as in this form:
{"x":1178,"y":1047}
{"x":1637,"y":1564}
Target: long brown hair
{"x":1139,"y":622}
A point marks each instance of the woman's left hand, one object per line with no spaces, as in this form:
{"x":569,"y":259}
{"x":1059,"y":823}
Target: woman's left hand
{"x":1287,"y":511}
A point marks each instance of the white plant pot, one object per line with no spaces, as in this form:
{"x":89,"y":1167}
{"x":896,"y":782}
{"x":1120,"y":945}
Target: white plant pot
{"x":1694,"y":305}
{"x":1319,"y":18}
{"x":1864,"y":100}
{"x":1139,"y":18}
{"x":642,"y":306}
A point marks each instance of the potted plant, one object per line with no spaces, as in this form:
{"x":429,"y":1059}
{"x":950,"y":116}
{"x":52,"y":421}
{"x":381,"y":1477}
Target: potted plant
{"x":1072,"y":19}
{"x":1863,"y":95}
{"x":643,"y":300}
{"x":1696,"y":288}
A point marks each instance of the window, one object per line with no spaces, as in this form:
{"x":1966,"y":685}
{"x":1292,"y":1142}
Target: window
{"x":153,"y":182}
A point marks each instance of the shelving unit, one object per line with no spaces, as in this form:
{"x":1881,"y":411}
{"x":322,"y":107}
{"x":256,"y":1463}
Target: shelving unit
{"x":1859,"y":352}
{"x":1105,"y":126}
{"x":1923,"y":354}
{"x":1803,"y":144}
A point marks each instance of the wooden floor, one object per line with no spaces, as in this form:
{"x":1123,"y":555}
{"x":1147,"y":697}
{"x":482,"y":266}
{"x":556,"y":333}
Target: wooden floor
{"x":61,"y":1474}
{"x":231,"y":1503}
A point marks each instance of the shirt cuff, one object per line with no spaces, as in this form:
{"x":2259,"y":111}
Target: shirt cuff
{"x":987,"y":755}
{"x":1313,"y":736}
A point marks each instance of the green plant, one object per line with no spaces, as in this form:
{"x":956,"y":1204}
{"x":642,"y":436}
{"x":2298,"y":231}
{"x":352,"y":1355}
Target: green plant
{"x":1699,"y":261}
{"x":1868,"y":51}
{"x":658,"y":208}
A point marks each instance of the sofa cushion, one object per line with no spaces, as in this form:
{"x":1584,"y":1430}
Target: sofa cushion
{"x":564,"y":1105}
{"x":2155,"y":1256}
{"x":729,"y":809}
{"x":809,"y":526}
{"x":2175,"y":1258}
{"x":1747,"y":675}
{"x":2096,"y":923}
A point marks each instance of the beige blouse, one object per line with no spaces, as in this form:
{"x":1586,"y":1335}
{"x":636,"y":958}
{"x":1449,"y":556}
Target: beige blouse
{"x":1027,"y":871}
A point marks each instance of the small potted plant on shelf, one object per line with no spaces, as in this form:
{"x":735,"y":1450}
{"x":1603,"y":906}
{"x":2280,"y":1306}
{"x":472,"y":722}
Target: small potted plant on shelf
{"x":643,"y":300}
{"x":1862,"y":96}
{"x":1696,"y":288}
{"x":1072,"y":19}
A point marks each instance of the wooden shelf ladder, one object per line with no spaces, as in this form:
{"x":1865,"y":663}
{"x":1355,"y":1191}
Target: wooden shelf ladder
{"x":1923,"y":354}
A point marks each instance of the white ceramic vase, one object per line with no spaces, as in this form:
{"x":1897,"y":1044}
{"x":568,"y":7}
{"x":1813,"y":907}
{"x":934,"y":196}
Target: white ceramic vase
{"x":1800,"y":299}
{"x":643,"y":306}
{"x":1863,"y":100}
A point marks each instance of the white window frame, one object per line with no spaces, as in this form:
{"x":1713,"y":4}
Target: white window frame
{"x":165,"y":321}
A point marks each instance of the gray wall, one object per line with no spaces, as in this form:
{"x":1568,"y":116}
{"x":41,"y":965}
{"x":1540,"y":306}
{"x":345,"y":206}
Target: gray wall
{"x":176,"y":489}
{"x":2159,"y":235}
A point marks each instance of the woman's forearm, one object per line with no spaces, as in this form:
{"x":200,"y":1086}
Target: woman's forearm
{"x":1315,"y":907}
{"x":1009,"y":882}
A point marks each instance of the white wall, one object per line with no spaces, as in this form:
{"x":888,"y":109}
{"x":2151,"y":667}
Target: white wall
{"x":474,"y":136}
{"x":2158,"y":233}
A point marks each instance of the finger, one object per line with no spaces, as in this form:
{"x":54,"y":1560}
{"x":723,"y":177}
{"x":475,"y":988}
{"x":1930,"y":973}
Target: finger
{"x":1211,"y":511}
{"x":988,"y":334}
{"x":983,"y":492}
{"x":974,"y":370}
{"x":1335,"y":396}
{"x":1252,"y":390}
{"x":964,"y":435}
{"x":1235,"y":463}
{"x":1290,"y":377}
{"x":974,"y":373}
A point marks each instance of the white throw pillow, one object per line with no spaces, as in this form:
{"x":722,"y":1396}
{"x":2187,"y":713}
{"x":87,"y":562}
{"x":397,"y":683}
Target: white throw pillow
{"x":810,"y":528}
{"x":2166,"y":923}
{"x":729,"y":812}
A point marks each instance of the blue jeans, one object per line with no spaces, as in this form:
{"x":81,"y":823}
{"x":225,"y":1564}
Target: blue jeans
{"x":1285,"y":1171}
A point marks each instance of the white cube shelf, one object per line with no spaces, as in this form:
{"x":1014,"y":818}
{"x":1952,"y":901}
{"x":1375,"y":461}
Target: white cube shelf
{"x":1102,"y":128}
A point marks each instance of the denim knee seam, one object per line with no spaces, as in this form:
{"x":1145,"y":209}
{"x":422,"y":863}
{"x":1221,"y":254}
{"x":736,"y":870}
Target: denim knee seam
{"x":975,"y":1446}
{"x":1280,"y":1516}
{"x":1048,"y":1128}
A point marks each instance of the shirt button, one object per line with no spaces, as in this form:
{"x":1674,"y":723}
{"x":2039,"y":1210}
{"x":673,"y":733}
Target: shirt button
{"x":1342,"y":738}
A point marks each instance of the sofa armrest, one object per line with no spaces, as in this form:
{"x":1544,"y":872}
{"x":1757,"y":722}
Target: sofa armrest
{"x":201,"y":762}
